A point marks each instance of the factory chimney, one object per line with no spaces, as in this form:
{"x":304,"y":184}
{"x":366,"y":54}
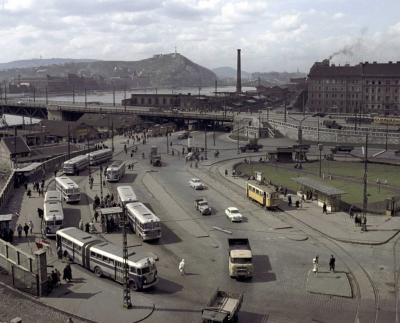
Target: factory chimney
{"x":239,"y":74}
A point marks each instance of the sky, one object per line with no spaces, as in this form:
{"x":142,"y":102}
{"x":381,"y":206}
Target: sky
{"x":274,"y":35}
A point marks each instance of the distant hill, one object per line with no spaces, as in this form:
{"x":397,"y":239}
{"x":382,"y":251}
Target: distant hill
{"x":37,"y":62}
{"x":163,"y":70}
{"x":277,"y":78}
{"x":227,"y":72}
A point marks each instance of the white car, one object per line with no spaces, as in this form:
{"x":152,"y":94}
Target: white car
{"x":233,"y":214}
{"x":196,"y":184}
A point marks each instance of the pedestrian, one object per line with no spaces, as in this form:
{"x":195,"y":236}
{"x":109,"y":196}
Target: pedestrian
{"x":80,"y":225}
{"x":87,"y":226}
{"x":324,"y":210}
{"x":67,"y":275}
{"x":182,"y":267}
{"x":59,"y":252}
{"x":53,"y":278}
{"x":315,"y":265}
{"x":58,"y":274}
{"x":285,"y":192}
{"x":29,"y":193}
{"x":26,"y":230}
{"x":289,"y":200}
{"x":19,"y":230}
{"x":332,"y":263}
{"x":96,"y":215}
{"x":30,"y":226}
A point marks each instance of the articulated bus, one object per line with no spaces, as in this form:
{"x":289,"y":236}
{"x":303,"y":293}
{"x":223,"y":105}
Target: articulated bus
{"x":68,"y":188}
{"x":78,"y":163}
{"x":106,"y":259}
{"x":53,"y":218}
{"x":115,"y":171}
{"x":100,"y":156}
{"x":126,"y":194}
{"x":52,"y":196}
{"x":265,"y":195}
{"x":143,"y":222}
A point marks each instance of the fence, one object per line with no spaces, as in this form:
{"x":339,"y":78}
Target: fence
{"x":27,"y":272}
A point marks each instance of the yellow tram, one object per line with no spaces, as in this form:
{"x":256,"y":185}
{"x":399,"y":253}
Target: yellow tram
{"x":265,"y":195}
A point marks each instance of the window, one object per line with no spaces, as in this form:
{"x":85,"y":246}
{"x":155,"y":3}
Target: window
{"x":93,"y":254}
{"x":105,"y":259}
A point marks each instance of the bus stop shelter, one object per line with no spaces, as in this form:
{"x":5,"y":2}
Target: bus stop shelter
{"x":319,"y":191}
{"x":110,"y":218}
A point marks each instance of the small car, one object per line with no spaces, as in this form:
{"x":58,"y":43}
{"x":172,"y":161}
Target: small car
{"x":233,"y":214}
{"x":196,"y":184}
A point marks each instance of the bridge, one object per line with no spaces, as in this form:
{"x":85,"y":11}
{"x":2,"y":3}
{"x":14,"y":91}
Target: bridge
{"x":64,"y":110}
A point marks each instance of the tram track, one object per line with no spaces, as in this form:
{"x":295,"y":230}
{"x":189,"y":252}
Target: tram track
{"x":363,"y":284}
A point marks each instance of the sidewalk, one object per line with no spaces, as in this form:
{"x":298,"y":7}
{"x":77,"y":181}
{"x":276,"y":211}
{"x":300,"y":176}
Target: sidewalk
{"x":338,"y":225}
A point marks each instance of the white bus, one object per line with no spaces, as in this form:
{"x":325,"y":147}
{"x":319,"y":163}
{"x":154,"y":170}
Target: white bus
{"x":53,"y":217}
{"x":115,"y":171}
{"x":68,"y":188}
{"x":105,"y":259}
{"x":78,"y":163}
{"x":126,"y":194}
{"x":52,"y":196}
{"x":143,"y":222}
{"x":100,"y":156}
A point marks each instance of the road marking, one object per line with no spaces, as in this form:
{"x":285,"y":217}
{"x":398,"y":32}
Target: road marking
{"x":222,"y":230}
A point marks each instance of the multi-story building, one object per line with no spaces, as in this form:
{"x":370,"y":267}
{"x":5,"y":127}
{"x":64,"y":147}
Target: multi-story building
{"x":363,"y":88}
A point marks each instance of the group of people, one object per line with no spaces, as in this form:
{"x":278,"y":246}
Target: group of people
{"x":26,"y":228}
{"x":55,"y":276}
{"x":332,"y":264}
{"x":38,"y":187}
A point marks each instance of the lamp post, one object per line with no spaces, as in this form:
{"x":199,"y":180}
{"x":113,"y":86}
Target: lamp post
{"x":320,"y":148}
{"x":300,"y":138}
{"x":205,"y":141}
{"x":101,"y":182}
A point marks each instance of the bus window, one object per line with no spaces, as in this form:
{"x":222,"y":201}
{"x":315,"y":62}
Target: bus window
{"x":134,"y":271}
{"x":93,"y":254}
{"x":105,"y":259}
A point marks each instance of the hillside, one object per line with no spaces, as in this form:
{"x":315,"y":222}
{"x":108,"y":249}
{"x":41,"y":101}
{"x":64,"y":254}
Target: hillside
{"x":227,"y":72}
{"x":37,"y":62}
{"x":169,"y":70}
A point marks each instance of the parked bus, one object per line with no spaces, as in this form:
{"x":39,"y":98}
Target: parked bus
{"x":265,"y":195}
{"x":105,"y":259}
{"x":68,"y":188}
{"x":126,"y":194}
{"x":76,"y":164}
{"x":52,"y":196}
{"x":143,"y":222}
{"x":53,"y":217}
{"x":100,"y":156}
{"x":115,"y":171}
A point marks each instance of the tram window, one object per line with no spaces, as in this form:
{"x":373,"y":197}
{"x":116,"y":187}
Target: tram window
{"x":111,"y":261}
{"x":105,"y":259}
{"x":93,"y":254}
{"x":67,"y":242}
{"x":118,"y":264}
{"x":134,"y":271}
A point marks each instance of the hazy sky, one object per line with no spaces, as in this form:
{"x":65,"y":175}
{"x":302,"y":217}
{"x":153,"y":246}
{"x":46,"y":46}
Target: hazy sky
{"x":280,"y":35}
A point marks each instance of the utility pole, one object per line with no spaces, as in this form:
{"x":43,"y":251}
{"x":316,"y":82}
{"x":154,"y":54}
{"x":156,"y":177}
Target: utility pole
{"x":69,"y":148}
{"x":73,"y":95}
{"x":125,"y":98}
{"x":365,"y":199}
{"x":34,"y":94}
{"x":5,"y":92}
{"x":205,"y":141}
{"x":112,"y":135}
{"x":387,"y":129}
{"x":167,"y":144}
{"x":318,"y":132}
{"x":85,"y":98}
{"x":214,"y":132}
{"x":47,"y":97}
{"x":87,"y":139}
{"x":127,"y":303}
{"x":113,"y":96}
{"x":216,"y":87}
{"x":15,"y":148}
{"x":101,"y":183}
{"x":284,"y":116}
{"x":320,"y":147}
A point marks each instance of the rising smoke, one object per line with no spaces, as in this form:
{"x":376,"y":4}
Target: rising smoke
{"x":353,"y":49}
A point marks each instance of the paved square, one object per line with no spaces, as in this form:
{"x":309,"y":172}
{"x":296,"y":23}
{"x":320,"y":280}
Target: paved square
{"x":328,"y":283}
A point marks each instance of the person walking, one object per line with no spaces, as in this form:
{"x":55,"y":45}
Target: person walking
{"x":87,"y":227}
{"x":324,"y":209}
{"x":58,"y":274}
{"x":30,"y":226}
{"x":182,"y":267}
{"x":67,"y":275}
{"x":315,"y":265}
{"x":26,"y":230}
{"x":332,"y":263}
{"x":289,"y":200}
{"x":19,"y":230}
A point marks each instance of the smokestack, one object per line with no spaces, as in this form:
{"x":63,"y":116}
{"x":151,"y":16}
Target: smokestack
{"x":239,"y":74}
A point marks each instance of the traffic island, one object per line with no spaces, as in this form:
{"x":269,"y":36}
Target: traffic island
{"x":329,"y":283}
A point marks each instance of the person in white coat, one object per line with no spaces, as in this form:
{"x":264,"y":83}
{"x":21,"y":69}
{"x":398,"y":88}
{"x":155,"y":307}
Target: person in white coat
{"x":182,"y":267}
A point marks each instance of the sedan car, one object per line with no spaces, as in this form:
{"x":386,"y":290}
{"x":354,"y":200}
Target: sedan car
{"x":233,"y":214}
{"x":196,"y":184}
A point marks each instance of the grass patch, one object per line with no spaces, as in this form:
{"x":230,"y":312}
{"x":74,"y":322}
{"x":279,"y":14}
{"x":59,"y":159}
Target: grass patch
{"x":283,"y":174}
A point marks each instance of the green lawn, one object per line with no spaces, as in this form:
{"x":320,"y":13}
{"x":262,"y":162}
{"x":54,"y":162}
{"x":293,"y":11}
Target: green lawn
{"x":283,"y":174}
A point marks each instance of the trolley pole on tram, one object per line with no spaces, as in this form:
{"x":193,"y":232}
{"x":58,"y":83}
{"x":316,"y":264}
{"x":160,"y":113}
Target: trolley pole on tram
{"x":127,"y":303}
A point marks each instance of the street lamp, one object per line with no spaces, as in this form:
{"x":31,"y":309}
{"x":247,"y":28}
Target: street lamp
{"x":300,"y":138}
{"x":320,"y":148}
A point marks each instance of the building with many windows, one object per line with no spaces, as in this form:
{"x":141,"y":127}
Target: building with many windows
{"x":363,"y":88}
